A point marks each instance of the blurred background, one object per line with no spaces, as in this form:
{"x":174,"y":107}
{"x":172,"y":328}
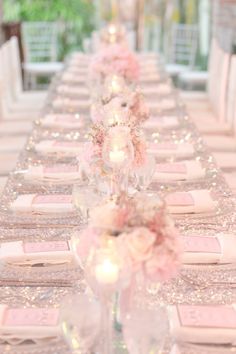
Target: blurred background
{"x":180,"y":30}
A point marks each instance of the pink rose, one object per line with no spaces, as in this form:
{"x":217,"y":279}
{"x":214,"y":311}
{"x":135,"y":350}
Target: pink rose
{"x":87,"y":240}
{"x":163,"y":265}
{"x":139,"y":243}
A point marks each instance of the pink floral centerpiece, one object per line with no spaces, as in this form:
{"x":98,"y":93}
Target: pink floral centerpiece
{"x":139,"y":233}
{"x":131,"y":104}
{"x":115,"y":59}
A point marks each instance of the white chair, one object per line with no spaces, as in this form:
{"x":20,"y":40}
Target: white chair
{"x":182,"y":49}
{"x":34,"y":99}
{"x":40,"y":51}
{"x":8,"y":108}
{"x":209,"y":110}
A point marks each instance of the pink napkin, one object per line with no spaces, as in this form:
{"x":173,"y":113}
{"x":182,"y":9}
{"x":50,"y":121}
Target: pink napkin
{"x":58,"y":172}
{"x":179,"y":171}
{"x":70,"y":148}
{"x":203,"y":324}
{"x":40,"y":325}
{"x":73,"y":90}
{"x":195,"y":201}
{"x":69,"y":103}
{"x":63,"y":121}
{"x":50,"y":203}
{"x":209,"y":249}
{"x":165,"y":122}
{"x":32,"y":253}
{"x":169,"y":149}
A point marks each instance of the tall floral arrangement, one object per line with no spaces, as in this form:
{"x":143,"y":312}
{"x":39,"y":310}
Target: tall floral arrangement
{"x":139,"y":233}
{"x":115,"y":59}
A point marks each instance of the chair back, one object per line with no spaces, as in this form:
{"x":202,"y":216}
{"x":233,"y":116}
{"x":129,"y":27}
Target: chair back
{"x":218,"y":67}
{"x":40,"y":41}
{"x":182,"y":48}
{"x":15,"y":67}
{"x":231,"y":96}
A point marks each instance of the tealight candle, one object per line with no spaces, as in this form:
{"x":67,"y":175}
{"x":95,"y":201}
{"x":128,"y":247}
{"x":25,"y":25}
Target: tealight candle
{"x":115,"y":117}
{"x":107,"y":272}
{"x":115,"y":84}
{"x":117,"y":156}
{"x":112,"y":29}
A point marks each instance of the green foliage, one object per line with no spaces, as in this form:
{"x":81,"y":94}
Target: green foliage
{"x":76,"y":17}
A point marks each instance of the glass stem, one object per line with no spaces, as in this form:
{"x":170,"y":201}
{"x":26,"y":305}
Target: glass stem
{"x":106,"y":326}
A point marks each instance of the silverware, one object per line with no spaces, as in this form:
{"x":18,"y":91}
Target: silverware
{"x":33,"y":283}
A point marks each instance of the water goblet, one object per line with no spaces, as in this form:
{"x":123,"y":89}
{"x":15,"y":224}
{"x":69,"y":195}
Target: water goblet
{"x":145,"y":173}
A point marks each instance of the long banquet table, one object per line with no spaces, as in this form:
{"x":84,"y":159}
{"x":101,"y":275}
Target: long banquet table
{"x":48,"y":286}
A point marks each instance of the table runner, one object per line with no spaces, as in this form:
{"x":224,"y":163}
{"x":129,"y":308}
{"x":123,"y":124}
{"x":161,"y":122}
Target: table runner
{"x":196,"y":285}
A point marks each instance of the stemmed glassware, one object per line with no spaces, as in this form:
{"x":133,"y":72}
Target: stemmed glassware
{"x":80,"y":323}
{"x":84,"y":198}
{"x":144,"y":173}
{"x":118,"y":154}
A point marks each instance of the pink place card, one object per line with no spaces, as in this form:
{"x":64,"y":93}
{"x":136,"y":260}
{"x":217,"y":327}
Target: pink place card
{"x":31,"y":317}
{"x":177,"y":167}
{"x":69,"y":144}
{"x":60,"y":168}
{"x":204,"y":244}
{"x":180,"y":199}
{"x":207,"y":316}
{"x":163,"y":146}
{"x":51,"y":246}
{"x":52,"y":199}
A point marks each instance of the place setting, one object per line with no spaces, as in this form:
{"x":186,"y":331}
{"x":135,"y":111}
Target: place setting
{"x":117,"y":226}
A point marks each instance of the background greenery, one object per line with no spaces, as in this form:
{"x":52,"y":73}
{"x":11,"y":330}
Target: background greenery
{"x":75,"y":18}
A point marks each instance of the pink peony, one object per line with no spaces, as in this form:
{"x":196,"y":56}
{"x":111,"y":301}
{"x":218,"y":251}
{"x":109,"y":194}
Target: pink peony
{"x":108,"y":216}
{"x":163,"y":265}
{"x":88,"y":239}
{"x":116,"y":59}
{"x":139,"y":243}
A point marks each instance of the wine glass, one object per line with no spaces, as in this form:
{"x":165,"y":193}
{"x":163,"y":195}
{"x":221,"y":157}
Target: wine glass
{"x":149,"y":333}
{"x":118,"y":154}
{"x":145,"y":173}
{"x":84,"y":198}
{"x":80,"y":322}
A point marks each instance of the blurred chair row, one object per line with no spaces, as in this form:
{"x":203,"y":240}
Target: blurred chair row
{"x":18,"y":108}
{"x":40,"y":44}
{"x":214,"y":112}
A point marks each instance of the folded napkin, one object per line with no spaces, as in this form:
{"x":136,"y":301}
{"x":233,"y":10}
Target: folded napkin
{"x":40,"y":325}
{"x":63,"y":121}
{"x":78,"y":91}
{"x":179,"y":171}
{"x":203,"y":324}
{"x":149,"y":78}
{"x":74,"y":79}
{"x":161,"y":123}
{"x":69,"y":103}
{"x":32,"y":253}
{"x":162,"y":89}
{"x":70,"y":148}
{"x":192,"y":202}
{"x":77,"y":70}
{"x":169,"y":149}
{"x":162,"y":105}
{"x":58,"y":172}
{"x":209,"y":249}
{"x":50,"y":203}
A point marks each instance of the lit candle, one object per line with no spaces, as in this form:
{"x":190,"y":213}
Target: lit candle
{"x":107,"y":272}
{"x":117,"y":156}
{"x":112,"y":29}
{"x":115,"y":117}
